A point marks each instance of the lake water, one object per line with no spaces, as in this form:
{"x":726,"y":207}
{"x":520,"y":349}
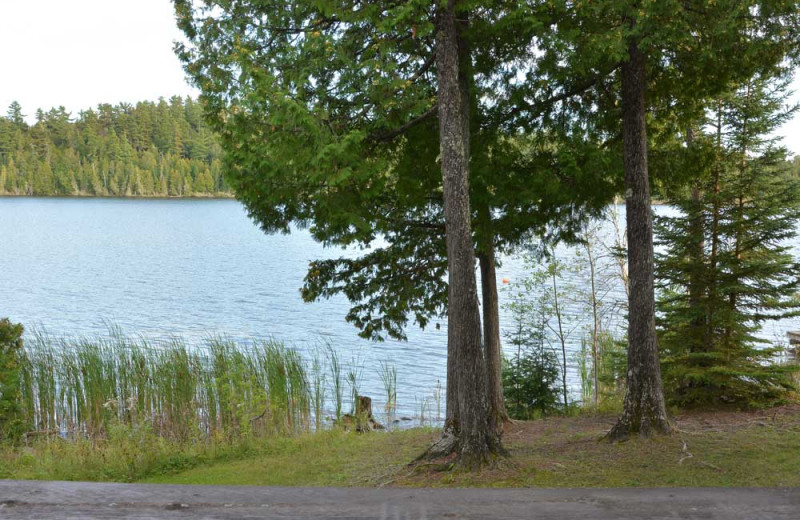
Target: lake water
{"x":194,"y":268}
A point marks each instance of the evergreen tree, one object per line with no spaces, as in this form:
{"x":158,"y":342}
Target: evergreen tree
{"x":348,"y":144}
{"x":665,"y":55}
{"x":103,"y":151}
{"x":531,"y":374}
{"x":727,"y":266}
{"x":12,"y":425}
{"x":15,"y":115}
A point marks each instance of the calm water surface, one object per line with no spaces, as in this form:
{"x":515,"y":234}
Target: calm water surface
{"x":194,"y":268}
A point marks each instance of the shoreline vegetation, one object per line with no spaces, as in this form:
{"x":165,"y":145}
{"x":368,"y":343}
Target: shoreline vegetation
{"x":93,"y":387}
{"x":126,"y":409}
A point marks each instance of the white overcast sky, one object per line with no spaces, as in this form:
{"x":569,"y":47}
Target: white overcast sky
{"x":80,"y":53}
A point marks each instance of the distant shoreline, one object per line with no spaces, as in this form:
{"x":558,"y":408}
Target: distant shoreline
{"x":118,"y":197}
{"x":654,"y":202}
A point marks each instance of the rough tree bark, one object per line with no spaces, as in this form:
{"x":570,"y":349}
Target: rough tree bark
{"x":644,"y":411}
{"x":470,"y":424}
{"x":491,"y":334}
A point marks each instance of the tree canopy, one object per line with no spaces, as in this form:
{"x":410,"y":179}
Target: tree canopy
{"x":346,"y":143}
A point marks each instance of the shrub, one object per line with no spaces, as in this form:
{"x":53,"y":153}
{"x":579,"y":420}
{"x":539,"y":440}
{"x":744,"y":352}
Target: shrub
{"x":11,"y":424}
{"x":530,"y":384}
{"x":530,"y":376}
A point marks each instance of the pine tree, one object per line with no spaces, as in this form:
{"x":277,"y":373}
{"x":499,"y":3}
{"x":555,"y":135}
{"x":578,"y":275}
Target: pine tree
{"x":530,"y":377}
{"x":116,"y":141}
{"x":667,"y":55}
{"x":727,"y":267}
{"x":15,"y":114}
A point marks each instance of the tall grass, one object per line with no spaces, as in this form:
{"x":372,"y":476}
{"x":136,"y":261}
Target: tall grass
{"x":354,"y":372}
{"x":84,"y":388}
{"x":388,"y":375}
{"x":318,"y":387}
{"x":337,"y":383}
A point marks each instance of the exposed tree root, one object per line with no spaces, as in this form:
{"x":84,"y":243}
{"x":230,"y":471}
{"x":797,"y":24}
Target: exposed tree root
{"x":623,"y":430}
{"x":445,"y":446}
{"x":452,"y":455}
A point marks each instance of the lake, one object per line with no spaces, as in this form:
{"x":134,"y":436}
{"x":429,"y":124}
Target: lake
{"x":194,"y":268}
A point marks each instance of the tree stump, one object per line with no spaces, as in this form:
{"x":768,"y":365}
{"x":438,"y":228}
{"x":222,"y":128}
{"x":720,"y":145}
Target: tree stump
{"x":363,"y":420}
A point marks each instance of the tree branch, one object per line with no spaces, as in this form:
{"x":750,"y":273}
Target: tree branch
{"x":386,"y":136}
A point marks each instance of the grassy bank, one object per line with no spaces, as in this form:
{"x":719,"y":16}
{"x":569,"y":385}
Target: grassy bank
{"x":710,"y":449}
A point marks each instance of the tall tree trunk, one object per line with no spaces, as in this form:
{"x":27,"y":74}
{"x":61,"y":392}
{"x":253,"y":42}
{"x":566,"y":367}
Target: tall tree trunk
{"x":711,"y":321}
{"x":471,"y":423}
{"x":697,"y":280}
{"x":733,"y":297}
{"x":644,"y":411}
{"x":595,"y":323}
{"x":560,"y":332}
{"x":491,"y":334}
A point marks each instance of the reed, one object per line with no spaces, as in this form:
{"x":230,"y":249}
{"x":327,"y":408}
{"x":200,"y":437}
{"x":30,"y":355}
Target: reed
{"x":354,"y":371}
{"x":318,"y":387}
{"x":86,"y":387}
{"x":336,"y":381}
{"x":388,"y":375}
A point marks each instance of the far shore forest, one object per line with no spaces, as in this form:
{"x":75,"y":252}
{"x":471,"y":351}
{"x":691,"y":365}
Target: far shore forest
{"x":157,"y":148}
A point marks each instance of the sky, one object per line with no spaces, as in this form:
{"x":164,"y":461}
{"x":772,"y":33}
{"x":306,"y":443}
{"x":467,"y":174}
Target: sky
{"x":80,"y":53}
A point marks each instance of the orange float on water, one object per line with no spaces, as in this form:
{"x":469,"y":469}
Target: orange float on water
{"x":505,"y":280}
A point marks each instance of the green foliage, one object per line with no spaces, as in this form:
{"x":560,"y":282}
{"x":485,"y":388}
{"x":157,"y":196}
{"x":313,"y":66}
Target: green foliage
{"x":794,"y":167}
{"x":682,"y":42}
{"x":223,"y":390}
{"x":727,"y":267}
{"x":611,"y":366}
{"x":12,"y":425}
{"x":151,"y":149}
{"x":612,"y":370}
{"x":327,"y":116}
{"x":531,"y":383}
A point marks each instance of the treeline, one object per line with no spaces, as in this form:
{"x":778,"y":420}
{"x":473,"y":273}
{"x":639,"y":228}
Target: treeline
{"x":152,"y":149}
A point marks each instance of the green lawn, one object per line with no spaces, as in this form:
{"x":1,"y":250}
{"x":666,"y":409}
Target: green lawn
{"x":331,"y":458}
{"x":709,"y":449}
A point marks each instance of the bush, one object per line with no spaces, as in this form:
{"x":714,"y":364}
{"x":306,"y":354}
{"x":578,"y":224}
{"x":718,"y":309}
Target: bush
{"x":11,"y":424}
{"x":530,"y":384}
{"x":530,"y":377}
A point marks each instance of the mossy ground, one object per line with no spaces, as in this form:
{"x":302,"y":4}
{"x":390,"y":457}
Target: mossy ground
{"x":708,"y":449}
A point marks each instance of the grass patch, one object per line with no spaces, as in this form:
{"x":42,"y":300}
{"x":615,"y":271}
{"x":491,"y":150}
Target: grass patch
{"x":728,"y":449}
{"x":84,"y":387}
{"x":710,"y":449}
{"x":329,"y":458}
